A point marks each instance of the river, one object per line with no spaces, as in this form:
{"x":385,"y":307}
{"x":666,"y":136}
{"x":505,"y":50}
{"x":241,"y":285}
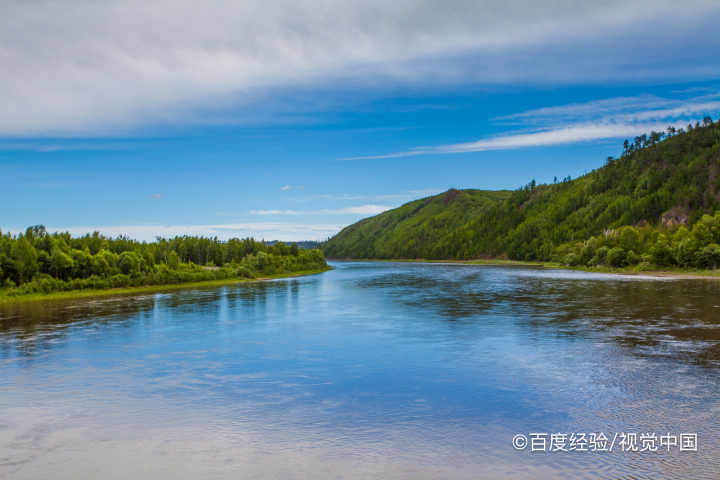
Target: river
{"x":370,"y":371}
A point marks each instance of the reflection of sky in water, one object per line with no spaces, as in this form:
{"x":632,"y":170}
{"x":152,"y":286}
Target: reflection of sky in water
{"x":369,"y":371}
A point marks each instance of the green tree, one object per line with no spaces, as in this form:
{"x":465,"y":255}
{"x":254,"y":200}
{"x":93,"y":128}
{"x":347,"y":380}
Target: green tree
{"x":708,"y":257}
{"x":173,"y":260}
{"x":632,"y":259}
{"x":615,"y":257}
{"x":60,"y":263}
{"x":661,"y":252}
{"x":262,"y":260}
{"x":25,"y":257}
{"x":129,"y":263}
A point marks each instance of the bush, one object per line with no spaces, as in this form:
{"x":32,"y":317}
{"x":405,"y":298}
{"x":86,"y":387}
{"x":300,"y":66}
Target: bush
{"x":588,"y":251}
{"x":661,"y":252}
{"x":244,"y":272}
{"x":708,"y":257}
{"x":616,"y":257}
{"x":599,"y":257}
{"x":632,"y":259}
{"x":572,"y":260}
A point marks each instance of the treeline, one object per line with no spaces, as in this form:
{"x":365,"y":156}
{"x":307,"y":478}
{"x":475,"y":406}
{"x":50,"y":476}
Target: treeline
{"x":696,"y":247}
{"x":40,"y":262}
{"x":307,"y":244}
{"x":662,"y":186}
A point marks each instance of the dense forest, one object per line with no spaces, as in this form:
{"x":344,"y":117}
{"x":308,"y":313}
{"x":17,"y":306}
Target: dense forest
{"x":657,"y":205}
{"x":414,"y":229}
{"x":40,"y":262}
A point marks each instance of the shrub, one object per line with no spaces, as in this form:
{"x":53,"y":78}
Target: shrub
{"x":708,"y":257}
{"x":599,"y":257}
{"x":572,"y":260}
{"x":616,"y":257}
{"x":632,"y":259}
{"x":661,"y":252}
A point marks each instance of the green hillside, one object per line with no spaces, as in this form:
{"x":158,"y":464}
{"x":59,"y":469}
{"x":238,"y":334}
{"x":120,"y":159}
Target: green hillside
{"x":412,"y":228}
{"x":665,"y":188}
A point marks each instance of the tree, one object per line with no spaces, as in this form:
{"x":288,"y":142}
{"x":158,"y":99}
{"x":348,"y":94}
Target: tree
{"x":616,"y":256}
{"x":173,"y":260}
{"x":294,"y":248}
{"x":708,"y":257}
{"x":60,"y":263}
{"x":25,"y":257}
{"x":129,"y":263}
{"x":262,"y":260}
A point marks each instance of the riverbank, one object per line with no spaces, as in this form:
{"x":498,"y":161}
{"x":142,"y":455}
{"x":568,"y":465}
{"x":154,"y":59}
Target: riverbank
{"x":636,"y":270}
{"x":147,"y":289}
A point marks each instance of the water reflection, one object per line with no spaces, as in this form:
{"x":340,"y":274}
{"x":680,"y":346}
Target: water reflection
{"x":373,"y":370}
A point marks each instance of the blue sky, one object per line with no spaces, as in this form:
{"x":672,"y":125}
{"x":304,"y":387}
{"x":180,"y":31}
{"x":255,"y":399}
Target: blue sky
{"x":291,"y":120}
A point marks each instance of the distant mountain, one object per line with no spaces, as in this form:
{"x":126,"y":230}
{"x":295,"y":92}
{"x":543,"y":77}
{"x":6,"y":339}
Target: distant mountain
{"x":306,"y":244}
{"x":660,"y":181}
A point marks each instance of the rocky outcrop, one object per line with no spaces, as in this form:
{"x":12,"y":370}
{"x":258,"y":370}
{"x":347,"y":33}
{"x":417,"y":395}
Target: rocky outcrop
{"x":450,"y":195}
{"x":674,"y":216}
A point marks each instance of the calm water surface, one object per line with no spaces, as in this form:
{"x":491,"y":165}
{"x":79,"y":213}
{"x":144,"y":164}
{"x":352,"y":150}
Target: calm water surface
{"x":372,"y":370}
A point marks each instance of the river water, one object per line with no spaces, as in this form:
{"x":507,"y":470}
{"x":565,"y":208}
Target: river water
{"x":372,"y":371}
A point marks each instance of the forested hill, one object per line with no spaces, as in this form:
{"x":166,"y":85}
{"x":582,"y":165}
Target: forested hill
{"x":410,"y":231}
{"x":661,"y":181}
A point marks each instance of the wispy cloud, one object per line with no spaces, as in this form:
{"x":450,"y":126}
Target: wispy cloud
{"x":578,"y":123}
{"x":157,"y":195}
{"x":374,"y":198}
{"x":366,"y":209}
{"x":96,"y":67}
{"x":286,"y":187}
{"x":361,"y":210}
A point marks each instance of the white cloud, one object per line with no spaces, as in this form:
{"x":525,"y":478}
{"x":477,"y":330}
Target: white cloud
{"x":276,"y":212}
{"x":578,"y":123}
{"x":82,"y":68}
{"x":270,"y":230}
{"x":155,"y":196}
{"x":376,"y":198}
{"x":286,"y":187}
{"x":366,"y":209}
{"x":362,"y":210}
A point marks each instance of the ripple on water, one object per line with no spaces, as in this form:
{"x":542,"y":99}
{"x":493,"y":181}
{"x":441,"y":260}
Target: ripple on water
{"x":373,"y":370}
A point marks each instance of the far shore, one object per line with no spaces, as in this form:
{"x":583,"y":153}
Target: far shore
{"x":149,"y":288}
{"x":665,"y":273}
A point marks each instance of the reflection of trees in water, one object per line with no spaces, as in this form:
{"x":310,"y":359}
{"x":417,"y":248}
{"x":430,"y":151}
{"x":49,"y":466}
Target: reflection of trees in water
{"x":668,"y":318}
{"x":30,"y":328}
{"x":650,"y":317}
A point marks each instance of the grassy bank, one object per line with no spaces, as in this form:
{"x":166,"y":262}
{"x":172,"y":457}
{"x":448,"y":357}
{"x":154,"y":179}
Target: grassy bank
{"x":669,"y":272}
{"x":499,"y":261}
{"x":146,"y":289}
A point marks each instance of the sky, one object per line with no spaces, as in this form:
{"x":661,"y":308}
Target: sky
{"x":293,"y":119}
